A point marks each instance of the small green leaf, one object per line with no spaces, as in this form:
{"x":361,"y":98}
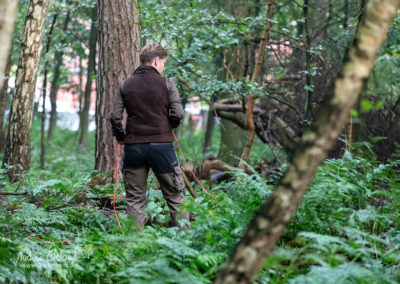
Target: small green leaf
{"x":378,"y":105}
{"x":376,"y":139}
{"x":366,"y":105}
{"x":309,"y":88}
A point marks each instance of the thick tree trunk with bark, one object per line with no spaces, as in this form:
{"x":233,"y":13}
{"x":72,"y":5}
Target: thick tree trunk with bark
{"x":18,"y":151}
{"x":84,"y":117}
{"x":273,"y":216}
{"x":119,"y":48}
{"x":55,"y":82}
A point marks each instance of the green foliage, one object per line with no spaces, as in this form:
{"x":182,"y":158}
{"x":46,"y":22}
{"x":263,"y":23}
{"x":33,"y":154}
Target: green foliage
{"x":99,"y":252}
{"x":346,"y":229}
{"x":195,"y":32}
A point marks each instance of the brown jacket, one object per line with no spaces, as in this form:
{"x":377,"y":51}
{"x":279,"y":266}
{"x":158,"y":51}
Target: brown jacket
{"x":153,"y":106}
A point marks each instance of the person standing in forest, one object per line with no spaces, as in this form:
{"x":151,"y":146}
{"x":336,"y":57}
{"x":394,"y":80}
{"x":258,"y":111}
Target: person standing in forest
{"x":154,"y":107}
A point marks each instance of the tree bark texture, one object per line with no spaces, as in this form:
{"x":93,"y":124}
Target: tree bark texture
{"x":84,"y":117}
{"x":18,"y":150}
{"x":55,"y":82}
{"x":8,"y":13}
{"x":268,"y":224}
{"x":119,"y":48}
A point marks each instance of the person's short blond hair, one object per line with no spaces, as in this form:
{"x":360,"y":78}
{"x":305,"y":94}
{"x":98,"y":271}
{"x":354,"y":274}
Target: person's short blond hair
{"x":151,"y":51}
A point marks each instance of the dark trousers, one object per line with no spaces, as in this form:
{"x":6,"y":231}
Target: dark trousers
{"x":161,"y":158}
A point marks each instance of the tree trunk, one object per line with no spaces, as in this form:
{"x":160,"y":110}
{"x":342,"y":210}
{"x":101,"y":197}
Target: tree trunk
{"x":8,"y":13}
{"x":119,"y":48}
{"x":3,"y":104}
{"x":232,"y":142}
{"x":363,"y":3}
{"x":209,"y":132}
{"x":346,"y":14}
{"x":270,"y":221}
{"x":55,"y":82}
{"x":309,"y":110}
{"x":84,"y":117}
{"x":44,"y":94}
{"x":80,"y":89}
{"x":18,"y":150}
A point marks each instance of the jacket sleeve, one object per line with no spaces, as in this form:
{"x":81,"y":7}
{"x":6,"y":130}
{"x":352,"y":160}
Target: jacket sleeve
{"x":175,"y":109}
{"x":116,"y":116}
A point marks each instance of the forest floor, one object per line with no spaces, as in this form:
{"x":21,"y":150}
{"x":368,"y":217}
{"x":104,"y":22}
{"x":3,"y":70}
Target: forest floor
{"x":346,"y":230}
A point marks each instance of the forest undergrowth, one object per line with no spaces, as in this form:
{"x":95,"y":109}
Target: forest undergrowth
{"x":347,"y":228}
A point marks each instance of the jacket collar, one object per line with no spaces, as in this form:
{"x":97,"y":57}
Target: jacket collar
{"x":142,"y":69}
